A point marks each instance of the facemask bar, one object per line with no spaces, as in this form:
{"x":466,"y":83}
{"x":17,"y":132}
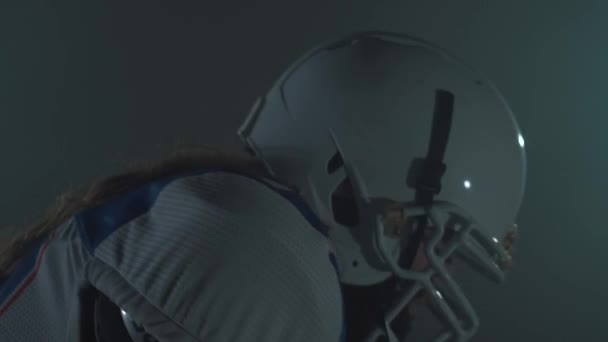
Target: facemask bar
{"x":485,"y":253}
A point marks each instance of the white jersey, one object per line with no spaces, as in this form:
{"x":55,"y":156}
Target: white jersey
{"x":202,"y":256}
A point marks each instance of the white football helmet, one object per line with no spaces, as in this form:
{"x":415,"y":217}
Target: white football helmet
{"x":409,"y":128}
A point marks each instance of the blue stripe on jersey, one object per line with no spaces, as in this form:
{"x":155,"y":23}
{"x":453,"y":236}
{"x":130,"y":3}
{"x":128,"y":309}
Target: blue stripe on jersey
{"x":98,"y":223}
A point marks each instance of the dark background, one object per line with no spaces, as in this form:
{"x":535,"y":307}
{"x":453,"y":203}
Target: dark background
{"x":86,"y":86}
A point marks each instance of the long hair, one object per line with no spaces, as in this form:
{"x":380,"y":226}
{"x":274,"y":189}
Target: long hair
{"x":182,"y":159}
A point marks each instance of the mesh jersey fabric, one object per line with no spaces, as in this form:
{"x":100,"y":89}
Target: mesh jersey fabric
{"x":201,"y":256}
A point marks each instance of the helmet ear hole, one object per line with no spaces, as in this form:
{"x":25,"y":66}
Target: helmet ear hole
{"x":343,"y":203}
{"x":344,"y":206}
